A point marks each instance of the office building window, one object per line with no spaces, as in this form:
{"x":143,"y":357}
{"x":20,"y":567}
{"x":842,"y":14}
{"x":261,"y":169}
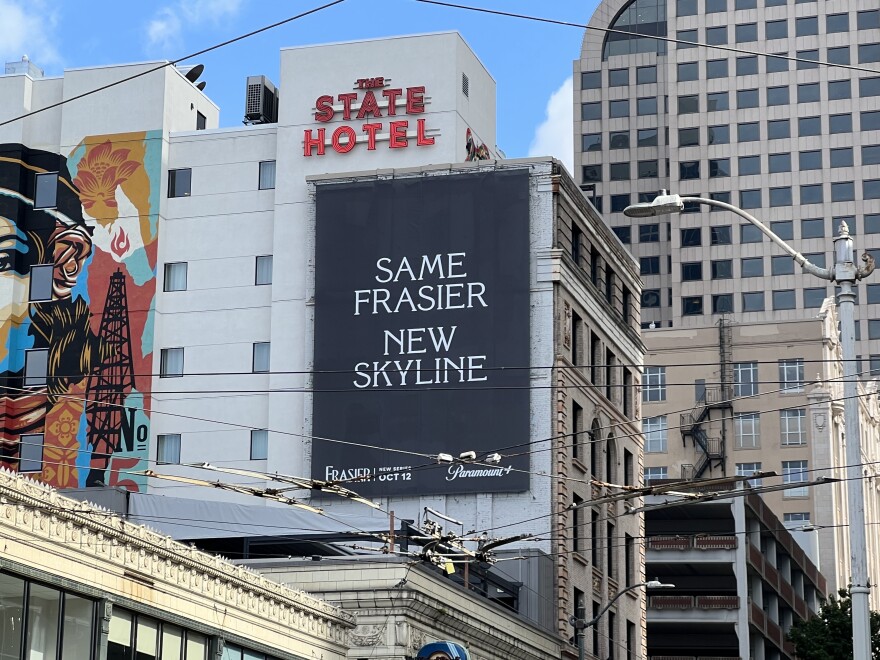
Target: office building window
{"x":619,"y":202}
{"x":689,"y":170}
{"x":778,"y":128}
{"x":719,"y":167}
{"x":691,"y":271}
{"x":722,"y":269}
{"x":808,"y":93}
{"x":655,"y":473}
{"x":749,"y":165}
{"x":180,"y":182}
{"x":654,"y":429}
{"x":844,"y":157}
{"x":691,"y":237}
{"x":619,"y":171}
{"x":618,"y":108}
{"x":806,"y":26}
{"x":807,"y":59}
{"x":654,"y":384}
{"x":171,"y":362}
{"x":591,"y":111}
{"x":36,"y":367}
{"x":716,"y":6}
{"x":717,"y":101}
{"x":259,"y":445}
{"x":618,"y":77}
{"x":837,"y":23}
{"x":784,"y":229}
{"x":745,"y":4}
{"x":783,"y":299}
{"x":716,"y":35}
{"x":843,"y":191}
{"x":688,"y":137}
{"x":646,"y":74}
{"x":750,"y":199}
{"x":809,"y":126}
{"x":814,"y":297}
{"x":869,"y":87}
{"x":592,"y":173}
{"x":267,"y":175}
{"x":777,"y":62}
{"x":750,"y":234}
{"x":752,"y":267}
{"x":720,"y":235}
{"x":688,"y":71}
{"x":777,"y":95}
{"x":780,"y":196}
{"x":168,"y":449}
{"x":646,"y":106}
{"x":624,"y":234}
{"x":175,"y":276}
{"x":776,"y":29}
{"x":649,"y":265}
{"x":618,"y":140}
{"x":650,"y":298}
{"x":779,"y":163}
{"x":260,"y":362}
{"x":868,"y":20}
{"x":718,"y":134}
{"x":688,"y":104}
{"x":781,"y":265}
{"x":689,"y":36}
{"x":746,"y":32}
{"x":817,"y":258}
{"x":646,"y":137}
{"x":794,"y":472}
{"x":722,"y":303}
{"x":648,"y":169}
{"x":746,"y":66}
{"x":871,"y":189}
{"x":649,"y":233}
{"x":839,"y":89}
{"x":747,"y":98}
{"x":40,"y":283}
{"x":745,"y":378}
{"x":840,"y":124}
{"x":747,"y":470}
{"x":811,"y":194}
{"x":839,"y":55}
{"x":591,"y":142}
{"x":263,"y":274}
{"x":870,"y":154}
{"x":753,"y":301}
{"x":45,"y":190}
{"x":869,"y":53}
{"x":716,"y":68}
{"x":810,"y":160}
{"x":719,"y":197}
{"x":791,"y":375}
{"x":591,"y":80}
{"x":748,"y":132}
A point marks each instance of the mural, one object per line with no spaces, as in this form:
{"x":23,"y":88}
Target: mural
{"x":76,"y":368}
{"x":475,"y":151}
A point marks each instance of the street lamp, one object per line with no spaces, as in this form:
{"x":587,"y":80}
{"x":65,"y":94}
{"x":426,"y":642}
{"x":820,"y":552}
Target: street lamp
{"x":845,"y":273}
{"x":581,"y":624}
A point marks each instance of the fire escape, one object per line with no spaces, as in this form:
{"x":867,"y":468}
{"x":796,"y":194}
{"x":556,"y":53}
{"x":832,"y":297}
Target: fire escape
{"x":711,"y":451}
{"x":112,"y":381}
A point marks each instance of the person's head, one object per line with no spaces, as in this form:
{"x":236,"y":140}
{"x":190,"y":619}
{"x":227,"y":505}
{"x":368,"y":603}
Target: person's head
{"x":56,"y":238}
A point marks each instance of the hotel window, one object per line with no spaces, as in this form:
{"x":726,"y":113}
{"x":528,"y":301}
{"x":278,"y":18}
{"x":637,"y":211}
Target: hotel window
{"x":267,"y":175}
{"x":655,"y":431}
{"x":168,"y":449}
{"x":41,"y":280}
{"x":260,"y":364}
{"x":747,"y":430}
{"x":869,"y":87}
{"x":30,"y":452}
{"x":716,"y":6}
{"x":654,"y":384}
{"x":747,"y":470}
{"x":791,"y":375}
{"x":263,"y":273}
{"x":45,"y":190}
{"x":653,"y":473}
{"x":795,"y":520}
{"x":175,"y":276}
{"x":180,"y":182}
{"x":171,"y":362}
{"x":794,"y":472}
{"x":745,"y":378}
{"x":593,"y":173}
{"x":792,"y":427}
{"x":36,"y":367}
{"x":259,"y":445}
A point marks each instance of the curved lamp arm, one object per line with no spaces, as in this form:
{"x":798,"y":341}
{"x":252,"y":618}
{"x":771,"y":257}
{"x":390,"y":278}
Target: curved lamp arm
{"x":581,"y":624}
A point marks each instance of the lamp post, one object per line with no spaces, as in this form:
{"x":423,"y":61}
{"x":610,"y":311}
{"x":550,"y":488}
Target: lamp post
{"x":581,"y":624}
{"x":845,"y":273}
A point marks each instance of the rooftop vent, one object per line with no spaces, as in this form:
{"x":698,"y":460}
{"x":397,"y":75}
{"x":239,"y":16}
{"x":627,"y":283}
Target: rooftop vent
{"x":261,"y":101}
{"x":24,"y":66}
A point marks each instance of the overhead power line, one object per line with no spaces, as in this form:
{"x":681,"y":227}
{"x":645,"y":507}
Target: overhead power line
{"x":171,"y":62}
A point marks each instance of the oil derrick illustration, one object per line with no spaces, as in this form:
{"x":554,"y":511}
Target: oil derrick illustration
{"x":108,"y":386}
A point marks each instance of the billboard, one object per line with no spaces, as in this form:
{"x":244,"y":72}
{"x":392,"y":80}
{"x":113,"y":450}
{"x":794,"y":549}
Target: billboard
{"x":422,"y":332}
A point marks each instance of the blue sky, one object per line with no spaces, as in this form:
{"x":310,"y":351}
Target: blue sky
{"x":529,"y":60}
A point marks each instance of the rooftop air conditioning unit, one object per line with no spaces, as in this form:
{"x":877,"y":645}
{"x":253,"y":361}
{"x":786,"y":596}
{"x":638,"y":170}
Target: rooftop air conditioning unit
{"x":261,"y":101}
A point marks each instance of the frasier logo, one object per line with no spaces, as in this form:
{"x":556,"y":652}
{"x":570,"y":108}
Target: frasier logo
{"x":378,"y":104}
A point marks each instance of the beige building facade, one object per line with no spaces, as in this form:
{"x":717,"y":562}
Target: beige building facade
{"x":77,"y":578}
{"x":764,"y":397}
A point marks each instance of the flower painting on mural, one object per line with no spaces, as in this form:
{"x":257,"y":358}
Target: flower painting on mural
{"x":77,"y":277}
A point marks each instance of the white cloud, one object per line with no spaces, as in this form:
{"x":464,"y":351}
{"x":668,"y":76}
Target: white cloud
{"x":29,"y":29}
{"x":165,"y":30}
{"x":555,"y":135}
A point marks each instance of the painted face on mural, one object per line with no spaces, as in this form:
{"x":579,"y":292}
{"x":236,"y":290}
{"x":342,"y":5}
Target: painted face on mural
{"x":14,"y":284}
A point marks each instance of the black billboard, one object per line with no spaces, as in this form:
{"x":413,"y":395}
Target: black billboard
{"x":422,"y":331}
